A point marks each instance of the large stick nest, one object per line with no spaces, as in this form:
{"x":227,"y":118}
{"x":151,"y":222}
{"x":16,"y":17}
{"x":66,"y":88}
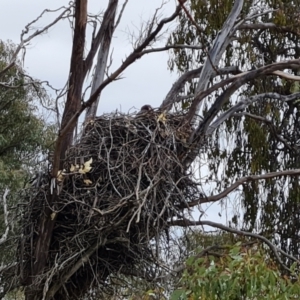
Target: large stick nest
{"x":122,"y":182}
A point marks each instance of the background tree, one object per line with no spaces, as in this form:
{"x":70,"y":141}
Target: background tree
{"x":260,"y":132}
{"x":25,"y":139}
{"x":84,"y":226}
{"x":23,"y":134}
{"x":237,"y":272}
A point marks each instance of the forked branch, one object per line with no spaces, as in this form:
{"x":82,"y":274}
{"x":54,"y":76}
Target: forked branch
{"x":135,"y":55}
{"x":241,"y":105}
{"x":213,"y":58}
{"x":25,"y":40}
{"x":237,"y":81}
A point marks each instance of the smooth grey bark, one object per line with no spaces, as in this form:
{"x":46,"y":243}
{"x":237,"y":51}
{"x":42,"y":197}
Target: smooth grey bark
{"x":241,"y":105}
{"x":220,"y":44}
{"x":102,"y":58}
{"x":172,"y":96}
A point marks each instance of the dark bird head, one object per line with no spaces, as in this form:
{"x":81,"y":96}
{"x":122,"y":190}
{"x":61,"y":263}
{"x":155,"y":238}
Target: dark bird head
{"x":146,"y":107}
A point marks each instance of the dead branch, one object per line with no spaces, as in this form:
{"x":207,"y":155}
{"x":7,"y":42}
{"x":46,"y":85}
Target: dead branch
{"x":108,"y":29}
{"x":5,"y":211}
{"x":287,"y":76}
{"x":238,"y":81}
{"x":241,"y":181}
{"x":168,"y":47}
{"x":273,"y":248}
{"x":135,"y":55}
{"x":257,"y":26}
{"x":107,"y":17}
{"x":25,"y":41}
{"x":220,"y":44}
{"x":241,"y":105}
{"x":121,"y":13}
{"x":171,"y":97}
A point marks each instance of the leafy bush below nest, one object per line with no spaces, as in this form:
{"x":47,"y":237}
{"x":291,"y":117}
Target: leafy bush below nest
{"x":121,"y":184}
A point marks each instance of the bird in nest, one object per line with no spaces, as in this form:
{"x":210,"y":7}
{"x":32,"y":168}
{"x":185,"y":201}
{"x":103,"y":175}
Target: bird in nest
{"x":148,"y":109}
{"x":145,"y":109}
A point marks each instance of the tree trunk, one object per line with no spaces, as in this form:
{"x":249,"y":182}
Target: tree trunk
{"x":102,"y":60}
{"x":72,"y":105}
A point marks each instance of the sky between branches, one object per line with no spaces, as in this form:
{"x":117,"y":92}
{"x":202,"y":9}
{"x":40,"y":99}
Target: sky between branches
{"x":48,"y":56}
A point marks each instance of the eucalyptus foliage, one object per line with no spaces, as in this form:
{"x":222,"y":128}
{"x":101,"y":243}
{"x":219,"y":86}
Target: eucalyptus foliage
{"x":228,"y":54}
{"x":24,"y":135}
{"x":237,"y":273}
{"x":24,"y":140}
{"x":266,"y":137}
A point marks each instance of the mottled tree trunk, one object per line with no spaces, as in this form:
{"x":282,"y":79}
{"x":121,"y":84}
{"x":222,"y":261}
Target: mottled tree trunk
{"x":47,"y":222}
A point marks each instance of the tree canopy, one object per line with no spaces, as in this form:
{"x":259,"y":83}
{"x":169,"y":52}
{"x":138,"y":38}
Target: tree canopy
{"x":25,"y":138}
{"x":109,"y":208}
{"x":260,"y":130}
{"x":24,"y":134}
{"x":236,"y":272}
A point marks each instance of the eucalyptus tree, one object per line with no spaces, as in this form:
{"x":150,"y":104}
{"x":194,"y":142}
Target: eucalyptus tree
{"x":257,"y":129}
{"x":23,"y":132}
{"x":236,"y":272}
{"x":25,"y":138}
{"x":237,"y":60}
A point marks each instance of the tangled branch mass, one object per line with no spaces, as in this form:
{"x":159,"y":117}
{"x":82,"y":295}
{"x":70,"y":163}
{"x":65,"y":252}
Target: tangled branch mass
{"x":122,"y":182}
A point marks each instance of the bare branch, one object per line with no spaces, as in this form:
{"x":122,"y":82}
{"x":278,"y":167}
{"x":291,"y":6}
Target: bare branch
{"x":5,"y":212}
{"x":239,"y":80}
{"x":121,"y":13}
{"x":108,"y":28}
{"x":274,"y":249}
{"x":24,"y":41}
{"x":135,"y":55}
{"x":265,"y":26}
{"x":257,"y":13}
{"x":107,"y":17}
{"x":246,"y":102}
{"x":171,"y":97}
{"x":241,"y":181}
{"x":287,"y":76}
{"x":221,"y":42}
{"x":168,"y":47}
{"x":257,"y":26}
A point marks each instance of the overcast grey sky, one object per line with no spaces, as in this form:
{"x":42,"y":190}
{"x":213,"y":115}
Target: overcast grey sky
{"x":48,"y":56}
